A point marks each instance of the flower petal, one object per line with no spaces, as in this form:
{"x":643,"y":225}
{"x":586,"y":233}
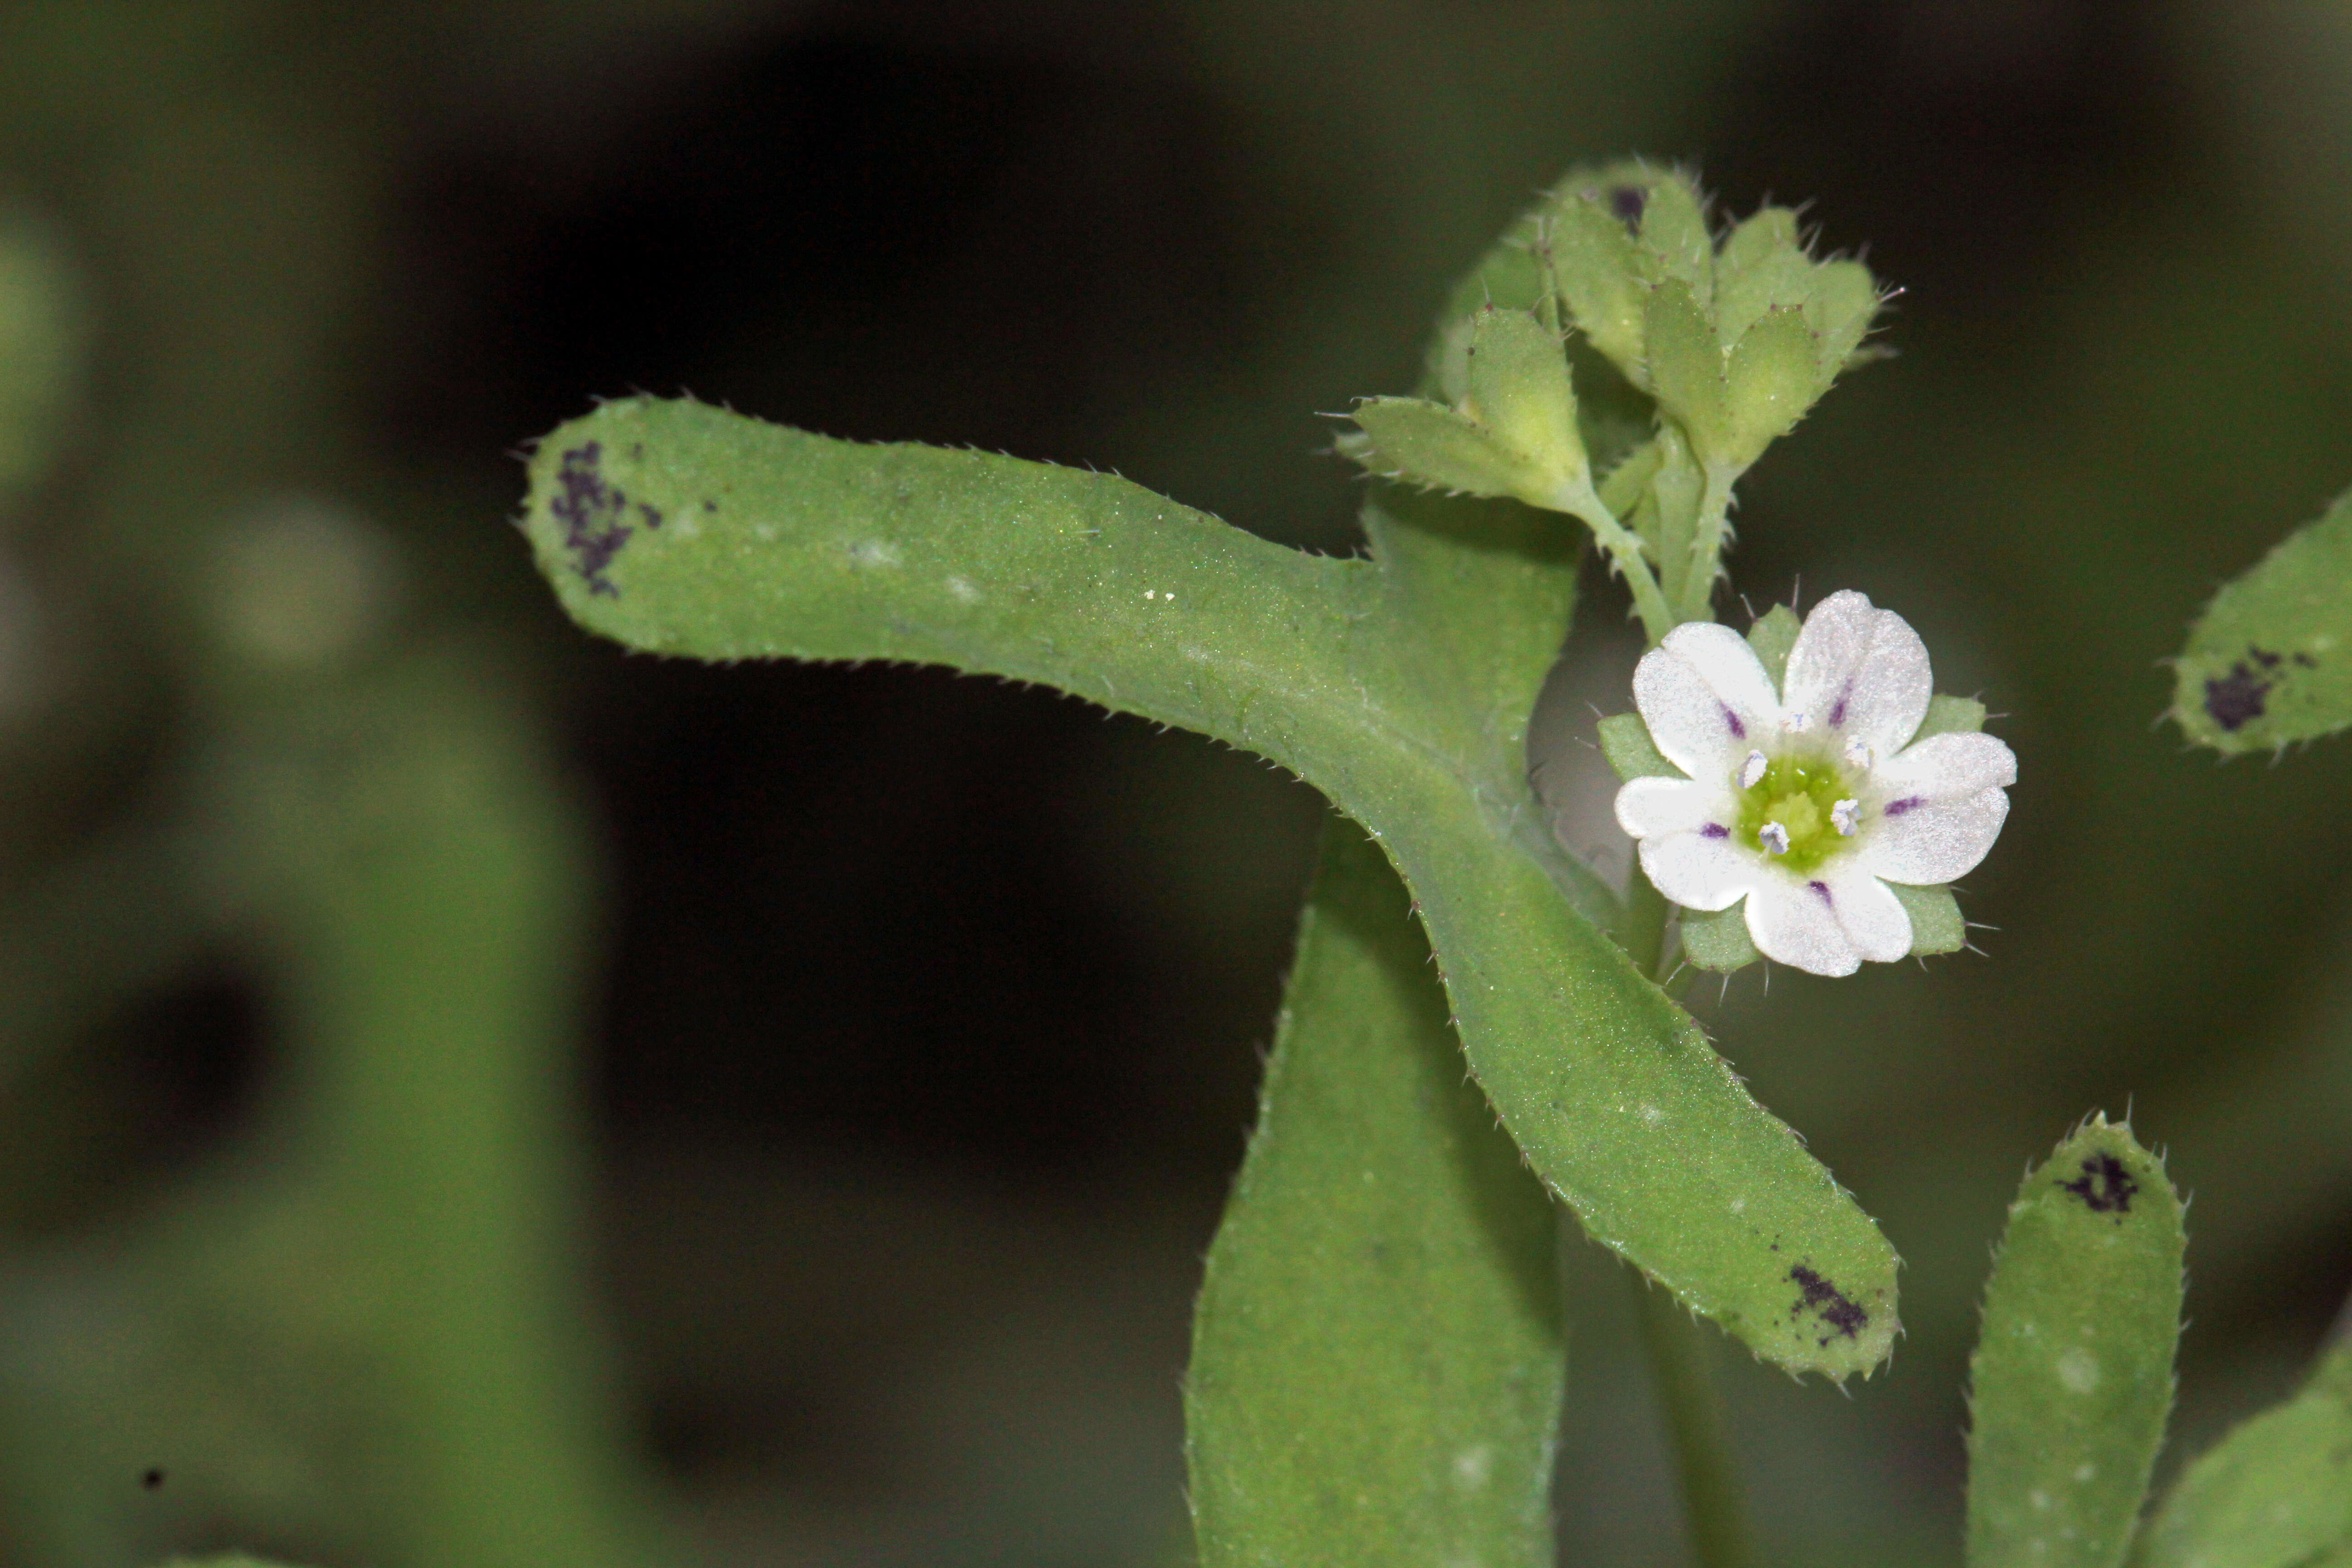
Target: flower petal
{"x":1872,"y":918}
{"x":1704,"y":694}
{"x":1796,"y":923}
{"x":1700,"y":871}
{"x":1943,"y":766}
{"x":1924,"y":842}
{"x":1859,"y":672}
{"x":1655,"y":807}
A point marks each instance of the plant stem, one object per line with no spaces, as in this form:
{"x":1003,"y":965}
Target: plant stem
{"x":1624,"y":550}
{"x":1712,"y":1500}
{"x":1713,"y":1505}
{"x":1707,"y":546}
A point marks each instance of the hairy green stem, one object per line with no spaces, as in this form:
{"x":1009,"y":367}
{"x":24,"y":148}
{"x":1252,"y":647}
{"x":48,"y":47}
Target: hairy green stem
{"x":1713,"y":1505}
{"x":1658,"y":618}
{"x":1706,"y":547}
{"x":1678,"y":1352}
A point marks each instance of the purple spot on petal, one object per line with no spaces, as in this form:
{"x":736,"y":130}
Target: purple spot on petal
{"x":1837,"y":712}
{"x":1715,"y":830}
{"x":1823,"y":888}
{"x":1897,"y":807}
{"x":1738,"y":730}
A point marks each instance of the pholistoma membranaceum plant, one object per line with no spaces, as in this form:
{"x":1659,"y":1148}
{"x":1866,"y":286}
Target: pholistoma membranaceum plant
{"x":1379,"y":1347}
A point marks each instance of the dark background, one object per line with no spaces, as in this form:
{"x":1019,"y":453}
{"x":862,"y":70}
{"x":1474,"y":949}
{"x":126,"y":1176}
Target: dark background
{"x":927,"y":1020}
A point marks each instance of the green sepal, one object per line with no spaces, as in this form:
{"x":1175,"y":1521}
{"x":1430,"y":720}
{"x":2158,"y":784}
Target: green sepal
{"x":1718,"y":941}
{"x":1762,"y":264}
{"x":1676,"y":240}
{"x":1772,"y":378}
{"x":2270,"y":661}
{"x":1950,"y":715}
{"x":1592,"y":258}
{"x":2071,"y":1379}
{"x":1773,"y":636}
{"x":1625,"y":742}
{"x":1935,"y":924}
{"x":1515,"y":434}
{"x":1842,"y":304}
{"x":1684,"y":361}
{"x":1519,"y":389}
{"x":2275,"y":1493}
{"x":1425,"y":443}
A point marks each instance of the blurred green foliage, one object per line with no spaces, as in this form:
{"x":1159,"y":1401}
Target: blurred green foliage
{"x":2126,"y":237}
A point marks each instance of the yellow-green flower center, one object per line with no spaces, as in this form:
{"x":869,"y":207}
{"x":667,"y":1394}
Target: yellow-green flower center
{"x":1790,"y":814}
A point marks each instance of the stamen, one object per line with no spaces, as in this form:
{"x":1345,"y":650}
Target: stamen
{"x":1858,"y":753}
{"x":1751,"y":770}
{"x":1775,"y":838}
{"x":1842,"y":816}
{"x":1792,"y":722}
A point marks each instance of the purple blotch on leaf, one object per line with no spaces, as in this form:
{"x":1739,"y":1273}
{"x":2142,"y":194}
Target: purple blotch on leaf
{"x":591,"y":511}
{"x":1626,"y":204}
{"x":2236,"y":698}
{"x":2106,"y":1184}
{"x":1843,"y":1315}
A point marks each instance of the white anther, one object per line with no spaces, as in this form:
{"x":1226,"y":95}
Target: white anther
{"x":1775,"y":838}
{"x":1858,"y":753}
{"x":1751,"y":770}
{"x":1842,"y":816}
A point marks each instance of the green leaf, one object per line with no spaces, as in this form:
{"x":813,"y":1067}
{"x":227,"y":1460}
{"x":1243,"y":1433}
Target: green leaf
{"x":421,"y":873}
{"x":1774,"y":637}
{"x":2276,"y":1492}
{"x":1427,"y":443}
{"x":1400,"y":686}
{"x":1935,"y":924}
{"x":40,"y":345}
{"x":1718,"y":940}
{"x":2270,"y":661}
{"x":1685,"y":367}
{"x":2073,"y":1375}
{"x":1377,"y":1356}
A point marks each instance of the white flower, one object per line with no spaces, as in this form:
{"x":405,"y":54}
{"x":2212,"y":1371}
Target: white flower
{"x":1807,"y":801}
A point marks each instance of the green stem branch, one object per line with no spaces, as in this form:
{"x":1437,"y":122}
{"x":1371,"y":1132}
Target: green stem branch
{"x":1624,"y":550}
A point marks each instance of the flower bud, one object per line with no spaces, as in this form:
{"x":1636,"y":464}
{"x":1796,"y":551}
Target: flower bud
{"x":1513,"y":432}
